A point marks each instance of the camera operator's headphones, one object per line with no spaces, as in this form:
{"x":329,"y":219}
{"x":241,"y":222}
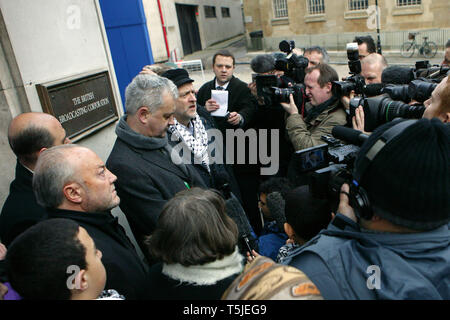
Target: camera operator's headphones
{"x":359,"y":199}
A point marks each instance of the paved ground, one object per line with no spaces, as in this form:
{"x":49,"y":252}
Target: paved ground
{"x":237,"y":45}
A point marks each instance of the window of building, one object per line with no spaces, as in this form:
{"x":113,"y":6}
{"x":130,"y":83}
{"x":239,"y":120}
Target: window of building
{"x":280,"y":8}
{"x":316,"y":7}
{"x":404,"y":3}
{"x":225,"y":12}
{"x":210,"y":11}
{"x":354,"y":5}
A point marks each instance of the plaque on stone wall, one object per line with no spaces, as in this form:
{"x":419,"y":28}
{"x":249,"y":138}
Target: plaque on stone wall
{"x":83,"y":104}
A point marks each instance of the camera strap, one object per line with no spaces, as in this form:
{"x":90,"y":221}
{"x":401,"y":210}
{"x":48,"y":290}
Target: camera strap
{"x":314,"y":112}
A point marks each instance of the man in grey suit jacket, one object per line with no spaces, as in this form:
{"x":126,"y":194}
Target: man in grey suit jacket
{"x":148,"y":173}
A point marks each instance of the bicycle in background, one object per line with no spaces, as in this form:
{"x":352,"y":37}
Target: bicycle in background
{"x":428,"y":48}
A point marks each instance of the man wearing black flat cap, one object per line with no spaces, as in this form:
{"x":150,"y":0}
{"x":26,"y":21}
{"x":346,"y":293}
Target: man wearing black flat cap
{"x":191,"y":130}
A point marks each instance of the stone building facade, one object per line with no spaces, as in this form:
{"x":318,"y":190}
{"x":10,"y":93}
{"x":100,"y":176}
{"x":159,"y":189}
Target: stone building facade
{"x":190,"y":25}
{"x":333,"y":23}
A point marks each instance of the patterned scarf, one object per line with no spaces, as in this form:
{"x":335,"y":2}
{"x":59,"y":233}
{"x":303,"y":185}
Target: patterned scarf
{"x":197,"y":143}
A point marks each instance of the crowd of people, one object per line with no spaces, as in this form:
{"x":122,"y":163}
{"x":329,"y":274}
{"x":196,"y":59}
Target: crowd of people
{"x":209,"y":224}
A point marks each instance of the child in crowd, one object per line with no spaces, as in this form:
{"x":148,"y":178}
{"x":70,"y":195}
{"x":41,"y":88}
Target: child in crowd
{"x":271,"y":206}
{"x":305,"y":215}
{"x":57,"y":260}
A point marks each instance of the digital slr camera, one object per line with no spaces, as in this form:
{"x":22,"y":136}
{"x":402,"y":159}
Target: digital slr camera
{"x":419,"y":90}
{"x":381,"y":109}
{"x":355,"y":82}
{"x":273,"y":91}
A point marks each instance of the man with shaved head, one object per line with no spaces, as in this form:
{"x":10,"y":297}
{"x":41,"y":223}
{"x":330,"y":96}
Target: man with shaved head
{"x":72,"y":182}
{"x":372,"y":67}
{"x":28,"y":134}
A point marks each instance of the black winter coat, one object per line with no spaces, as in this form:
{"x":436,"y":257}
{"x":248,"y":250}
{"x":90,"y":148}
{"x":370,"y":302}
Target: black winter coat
{"x":146,"y":178}
{"x":125,"y":271}
{"x":21,"y":209}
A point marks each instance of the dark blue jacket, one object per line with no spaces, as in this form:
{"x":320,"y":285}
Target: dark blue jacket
{"x":271,"y":240}
{"x":341,"y":262}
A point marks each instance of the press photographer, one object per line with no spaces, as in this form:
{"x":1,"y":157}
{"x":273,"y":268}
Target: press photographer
{"x":270,"y":114}
{"x":320,"y":114}
{"x":384,"y":234}
{"x":365,"y":76}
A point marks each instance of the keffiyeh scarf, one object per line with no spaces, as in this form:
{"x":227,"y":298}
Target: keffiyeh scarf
{"x":197,"y":143}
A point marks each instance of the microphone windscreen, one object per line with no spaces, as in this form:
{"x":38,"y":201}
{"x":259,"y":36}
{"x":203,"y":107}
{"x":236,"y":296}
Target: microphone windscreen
{"x":397,"y":75}
{"x":237,"y":213}
{"x":263,"y":63}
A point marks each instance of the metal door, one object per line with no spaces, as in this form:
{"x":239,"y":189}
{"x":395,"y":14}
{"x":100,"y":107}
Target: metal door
{"x":128,"y":39}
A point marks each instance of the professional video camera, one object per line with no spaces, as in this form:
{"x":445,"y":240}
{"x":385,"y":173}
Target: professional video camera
{"x":268,"y":87}
{"x":408,"y":84}
{"x":293,"y":65}
{"x":423,"y":69}
{"x":273,"y":89}
{"x":418,"y":90}
{"x":355,"y":81}
{"x":381,"y":109}
{"x":329,"y":165}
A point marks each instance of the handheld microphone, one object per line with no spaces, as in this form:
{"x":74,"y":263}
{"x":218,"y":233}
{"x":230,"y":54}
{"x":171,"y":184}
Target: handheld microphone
{"x":352,"y":136}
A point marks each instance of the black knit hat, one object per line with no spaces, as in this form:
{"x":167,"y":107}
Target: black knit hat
{"x":178,"y":76}
{"x":408,"y":181}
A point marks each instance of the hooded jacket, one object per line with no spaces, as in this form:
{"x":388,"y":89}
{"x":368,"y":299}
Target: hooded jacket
{"x":146,"y":177}
{"x":348,"y":263}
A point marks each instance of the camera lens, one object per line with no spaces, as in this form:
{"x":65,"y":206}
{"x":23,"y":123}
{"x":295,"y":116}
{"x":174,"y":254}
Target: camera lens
{"x":282,"y":94}
{"x":421,"y":90}
{"x":390,"y":109}
{"x":343,"y":88}
{"x":400,"y":92}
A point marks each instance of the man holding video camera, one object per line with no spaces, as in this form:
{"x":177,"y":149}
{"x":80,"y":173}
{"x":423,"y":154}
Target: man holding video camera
{"x":307,"y":123}
{"x":270,"y":114}
{"x":390,"y":237}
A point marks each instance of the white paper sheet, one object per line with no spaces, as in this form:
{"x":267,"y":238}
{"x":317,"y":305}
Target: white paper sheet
{"x":221,"y":97}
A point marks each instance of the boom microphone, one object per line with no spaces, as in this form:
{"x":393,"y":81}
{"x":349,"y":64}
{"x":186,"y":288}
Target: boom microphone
{"x":352,"y":136}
